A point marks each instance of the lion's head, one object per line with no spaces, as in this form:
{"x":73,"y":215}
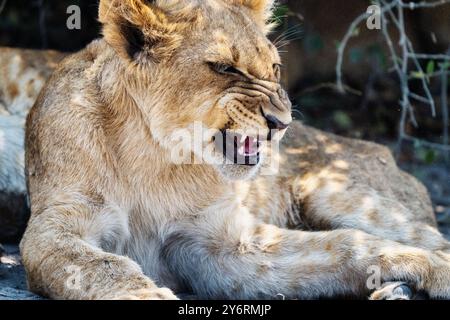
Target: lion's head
{"x":205,"y":62}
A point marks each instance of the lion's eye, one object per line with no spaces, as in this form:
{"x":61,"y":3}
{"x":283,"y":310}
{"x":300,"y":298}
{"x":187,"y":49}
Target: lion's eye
{"x":224,"y":68}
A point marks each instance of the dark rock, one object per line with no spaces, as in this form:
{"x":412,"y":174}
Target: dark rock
{"x":13,"y":284}
{"x":15,"y":294}
{"x":14,"y":214}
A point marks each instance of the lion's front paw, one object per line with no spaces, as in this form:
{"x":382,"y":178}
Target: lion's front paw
{"x":393,"y":291}
{"x":148,"y":294}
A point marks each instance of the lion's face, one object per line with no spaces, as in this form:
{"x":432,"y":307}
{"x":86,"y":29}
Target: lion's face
{"x":205,"y":76}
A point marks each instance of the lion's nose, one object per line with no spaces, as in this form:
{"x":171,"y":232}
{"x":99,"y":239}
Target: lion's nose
{"x":278,"y":112}
{"x":274,"y":123}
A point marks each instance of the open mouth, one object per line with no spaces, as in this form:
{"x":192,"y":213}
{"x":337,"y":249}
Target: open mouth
{"x":239,"y":149}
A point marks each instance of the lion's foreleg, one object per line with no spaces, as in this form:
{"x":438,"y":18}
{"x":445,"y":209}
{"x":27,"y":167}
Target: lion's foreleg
{"x":63,"y":261}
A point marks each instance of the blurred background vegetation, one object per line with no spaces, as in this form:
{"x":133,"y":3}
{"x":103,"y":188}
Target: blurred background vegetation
{"x":312,"y":29}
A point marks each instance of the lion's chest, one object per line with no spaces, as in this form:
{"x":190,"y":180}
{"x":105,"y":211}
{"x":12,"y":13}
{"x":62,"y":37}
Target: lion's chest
{"x":150,"y":221}
{"x":146,"y":251}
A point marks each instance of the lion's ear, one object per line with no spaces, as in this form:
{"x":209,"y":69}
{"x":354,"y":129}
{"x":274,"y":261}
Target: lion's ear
{"x":138,"y":27}
{"x":262,"y":8}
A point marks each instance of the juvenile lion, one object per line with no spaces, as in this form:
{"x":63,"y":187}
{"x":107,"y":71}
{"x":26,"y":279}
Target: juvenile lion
{"x":112,"y":209}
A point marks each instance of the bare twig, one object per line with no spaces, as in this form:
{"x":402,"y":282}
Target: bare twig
{"x":329,"y":85}
{"x":343,"y":45}
{"x":431,"y":145}
{"x":393,"y":11}
{"x":423,"y":4}
{"x":431,"y":56}
{"x":407,"y":48}
{"x":419,"y":98}
{"x":439,"y":74}
{"x":401,"y":69}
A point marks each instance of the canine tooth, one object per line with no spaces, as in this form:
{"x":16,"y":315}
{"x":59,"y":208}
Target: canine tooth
{"x":243,"y":138}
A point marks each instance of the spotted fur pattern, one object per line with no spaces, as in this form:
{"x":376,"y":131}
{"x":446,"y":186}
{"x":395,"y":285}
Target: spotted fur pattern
{"x":23,"y":74}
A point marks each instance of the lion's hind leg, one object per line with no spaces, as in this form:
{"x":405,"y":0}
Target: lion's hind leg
{"x":232,"y":255}
{"x":351,"y":184}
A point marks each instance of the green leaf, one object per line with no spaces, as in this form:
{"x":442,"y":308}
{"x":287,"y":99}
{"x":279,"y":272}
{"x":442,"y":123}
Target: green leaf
{"x":417,"y":75}
{"x":426,"y":155}
{"x":431,"y":66}
{"x":343,"y":120}
{"x":280,"y":13}
{"x":430,"y":156}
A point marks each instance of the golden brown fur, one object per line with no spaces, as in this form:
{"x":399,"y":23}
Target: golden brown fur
{"x":114,"y":218}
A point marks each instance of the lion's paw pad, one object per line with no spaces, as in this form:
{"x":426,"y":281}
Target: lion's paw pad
{"x":393,"y":291}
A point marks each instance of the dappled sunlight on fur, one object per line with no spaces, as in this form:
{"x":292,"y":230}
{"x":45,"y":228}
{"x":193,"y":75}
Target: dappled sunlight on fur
{"x":107,"y":199}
